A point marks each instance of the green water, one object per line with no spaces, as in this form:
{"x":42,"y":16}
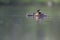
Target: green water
{"x":15,"y":26}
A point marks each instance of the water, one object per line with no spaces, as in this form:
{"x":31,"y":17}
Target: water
{"x":15,"y":26}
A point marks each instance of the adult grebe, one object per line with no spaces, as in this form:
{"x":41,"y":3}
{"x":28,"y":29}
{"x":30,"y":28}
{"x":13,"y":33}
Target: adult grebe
{"x":37,"y":15}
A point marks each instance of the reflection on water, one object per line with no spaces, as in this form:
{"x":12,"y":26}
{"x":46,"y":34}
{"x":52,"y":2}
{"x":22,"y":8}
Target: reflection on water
{"x":15,"y":26}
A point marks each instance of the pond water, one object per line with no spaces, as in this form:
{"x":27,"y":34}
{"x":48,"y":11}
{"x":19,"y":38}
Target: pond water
{"x":15,"y":26}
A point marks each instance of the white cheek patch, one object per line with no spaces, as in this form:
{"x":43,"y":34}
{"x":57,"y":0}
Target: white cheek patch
{"x":39,"y":11}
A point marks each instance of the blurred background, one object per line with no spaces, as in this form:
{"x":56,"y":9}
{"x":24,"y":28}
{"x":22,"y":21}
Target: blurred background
{"x":15,"y":26}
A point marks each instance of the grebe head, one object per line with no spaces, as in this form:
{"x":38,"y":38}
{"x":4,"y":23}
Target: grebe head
{"x":38,"y":10}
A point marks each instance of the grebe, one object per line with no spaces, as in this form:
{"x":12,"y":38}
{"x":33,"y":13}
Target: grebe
{"x":38,"y":15}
